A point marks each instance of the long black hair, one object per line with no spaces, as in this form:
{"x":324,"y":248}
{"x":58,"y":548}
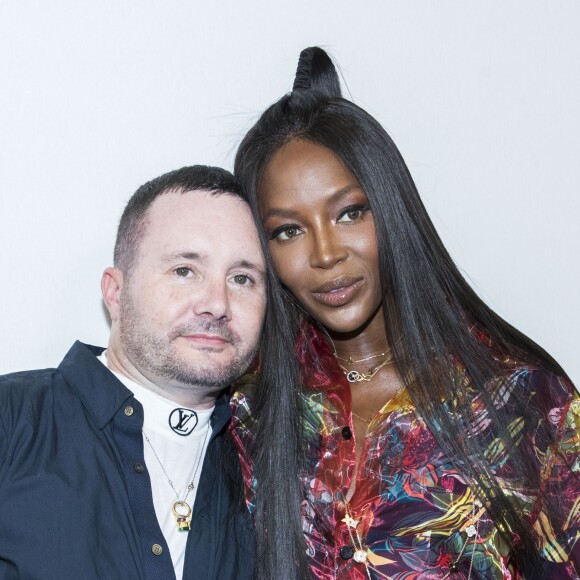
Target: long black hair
{"x":434,"y":320}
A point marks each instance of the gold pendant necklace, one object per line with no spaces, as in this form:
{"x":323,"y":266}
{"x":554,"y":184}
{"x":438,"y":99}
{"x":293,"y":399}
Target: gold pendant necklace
{"x":180,"y":508}
{"x":354,"y":376}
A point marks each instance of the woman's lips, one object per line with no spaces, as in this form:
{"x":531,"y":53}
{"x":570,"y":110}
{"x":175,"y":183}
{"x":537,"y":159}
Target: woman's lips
{"x":338,"y":292}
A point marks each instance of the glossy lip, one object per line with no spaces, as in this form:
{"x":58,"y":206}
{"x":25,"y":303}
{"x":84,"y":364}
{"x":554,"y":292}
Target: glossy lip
{"x":339,"y":291}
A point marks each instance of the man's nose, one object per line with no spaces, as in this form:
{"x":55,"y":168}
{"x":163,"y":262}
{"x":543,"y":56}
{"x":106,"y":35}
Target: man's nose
{"x":212,"y":300}
{"x":327,"y":249}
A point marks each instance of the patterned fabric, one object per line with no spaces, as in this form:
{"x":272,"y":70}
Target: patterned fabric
{"x":416,"y":514}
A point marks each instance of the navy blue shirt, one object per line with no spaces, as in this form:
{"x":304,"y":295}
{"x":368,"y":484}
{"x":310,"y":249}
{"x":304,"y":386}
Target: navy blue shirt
{"x":75,"y":493}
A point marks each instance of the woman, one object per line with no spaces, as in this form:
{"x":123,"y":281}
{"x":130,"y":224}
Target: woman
{"x":431,"y":439}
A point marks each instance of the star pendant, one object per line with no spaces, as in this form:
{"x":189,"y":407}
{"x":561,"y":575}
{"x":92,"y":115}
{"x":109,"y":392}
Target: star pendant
{"x":350,"y":521}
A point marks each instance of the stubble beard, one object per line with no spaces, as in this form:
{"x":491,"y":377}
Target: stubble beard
{"x":159,"y":359}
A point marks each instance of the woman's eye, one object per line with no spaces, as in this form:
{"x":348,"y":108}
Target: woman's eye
{"x":286,"y":233}
{"x":182,"y":271}
{"x":352,"y":214}
{"x":242,"y":279}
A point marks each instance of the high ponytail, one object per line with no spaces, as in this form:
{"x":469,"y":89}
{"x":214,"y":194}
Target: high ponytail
{"x":316,"y":82}
{"x":316,"y":71}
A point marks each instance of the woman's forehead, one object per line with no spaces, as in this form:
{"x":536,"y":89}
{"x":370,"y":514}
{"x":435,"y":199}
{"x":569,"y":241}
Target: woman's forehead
{"x":302,"y":169}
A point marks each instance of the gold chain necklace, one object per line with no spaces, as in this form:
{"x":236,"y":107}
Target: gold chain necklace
{"x":180,"y":508}
{"x":351,"y":361}
{"x":370,"y":420}
{"x":354,"y":376}
{"x":367,"y":421}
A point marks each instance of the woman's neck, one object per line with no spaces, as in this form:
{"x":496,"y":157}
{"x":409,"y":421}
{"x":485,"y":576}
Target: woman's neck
{"x":364,"y":342}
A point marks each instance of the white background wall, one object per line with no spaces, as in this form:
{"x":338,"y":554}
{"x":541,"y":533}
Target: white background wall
{"x":98,"y":97}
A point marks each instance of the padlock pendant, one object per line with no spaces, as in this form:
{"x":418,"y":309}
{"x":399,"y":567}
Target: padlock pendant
{"x":182,"y":513}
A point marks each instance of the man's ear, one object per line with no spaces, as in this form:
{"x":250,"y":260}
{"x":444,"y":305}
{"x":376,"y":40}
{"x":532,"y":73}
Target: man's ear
{"x":111,"y":285}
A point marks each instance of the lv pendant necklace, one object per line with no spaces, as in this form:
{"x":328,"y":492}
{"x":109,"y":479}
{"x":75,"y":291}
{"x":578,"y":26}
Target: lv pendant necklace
{"x":180,"y":508}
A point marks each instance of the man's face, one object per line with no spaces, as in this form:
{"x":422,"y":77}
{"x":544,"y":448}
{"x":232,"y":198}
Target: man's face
{"x":191,"y":311}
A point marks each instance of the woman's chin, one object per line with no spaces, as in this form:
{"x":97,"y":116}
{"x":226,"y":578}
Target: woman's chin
{"x":352,"y":324}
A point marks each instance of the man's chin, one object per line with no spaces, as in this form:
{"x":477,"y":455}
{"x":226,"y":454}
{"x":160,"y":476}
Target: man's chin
{"x":212,"y":374}
{"x":204,"y":360}
{"x":209,"y":367}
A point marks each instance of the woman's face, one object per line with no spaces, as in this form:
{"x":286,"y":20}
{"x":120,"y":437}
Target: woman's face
{"x":322,"y":236}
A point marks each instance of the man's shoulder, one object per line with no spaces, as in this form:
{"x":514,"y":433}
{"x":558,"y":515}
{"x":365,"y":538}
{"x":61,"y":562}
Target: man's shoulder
{"x":24,"y":397}
{"x":37,"y":380}
{"x":27,"y":383}
{"x":33,"y":386}
{"x":26,"y":392}
{"x":32,"y":398}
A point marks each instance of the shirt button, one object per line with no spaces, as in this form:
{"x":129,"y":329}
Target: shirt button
{"x":156,"y":549}
{"x":346,"y":432}
{"x":346,"y":552}
{"x":139,"y":467}
{"x":128,"y":410}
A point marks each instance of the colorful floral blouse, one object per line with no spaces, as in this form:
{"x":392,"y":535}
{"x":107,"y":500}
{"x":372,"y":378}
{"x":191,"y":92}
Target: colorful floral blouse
{"x":412,"y":515}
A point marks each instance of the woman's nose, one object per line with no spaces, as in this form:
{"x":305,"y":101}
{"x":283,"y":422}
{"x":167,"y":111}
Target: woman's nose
{"x":327,"y":249}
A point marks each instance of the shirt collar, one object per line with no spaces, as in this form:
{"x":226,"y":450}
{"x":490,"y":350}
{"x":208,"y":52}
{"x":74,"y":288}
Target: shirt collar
{"x":103,"y":394}
{"x":100,"y":391}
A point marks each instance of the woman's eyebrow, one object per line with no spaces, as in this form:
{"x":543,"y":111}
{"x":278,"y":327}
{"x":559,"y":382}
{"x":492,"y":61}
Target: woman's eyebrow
{"x":343,"y":192}
{"x":333,"y":198}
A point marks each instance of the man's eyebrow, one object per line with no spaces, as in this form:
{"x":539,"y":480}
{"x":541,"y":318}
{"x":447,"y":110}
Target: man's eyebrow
{"x":332,"y":198}
{"x":259,"y":269}
{"x":180,"y":256}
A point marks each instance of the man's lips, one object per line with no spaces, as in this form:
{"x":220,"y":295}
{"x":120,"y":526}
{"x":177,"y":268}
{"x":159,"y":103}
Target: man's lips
{"x":339,"y":291}
{"x":206,"y":339}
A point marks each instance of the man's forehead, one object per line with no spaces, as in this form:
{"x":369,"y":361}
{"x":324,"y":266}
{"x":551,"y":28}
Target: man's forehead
{"x":202,"y":224}
{"x":200,"y":209}
{"x":175,"y":198}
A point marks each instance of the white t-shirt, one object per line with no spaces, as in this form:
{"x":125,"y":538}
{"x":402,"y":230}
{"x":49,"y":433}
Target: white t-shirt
{"x":179,"y":437}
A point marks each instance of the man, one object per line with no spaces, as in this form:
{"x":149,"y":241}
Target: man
{"x":116,"y":464}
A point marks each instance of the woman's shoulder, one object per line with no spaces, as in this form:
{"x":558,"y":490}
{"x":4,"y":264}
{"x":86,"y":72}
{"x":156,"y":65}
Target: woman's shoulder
{"x":540,"y":407}
{"x":537,"y":388}
{"x":535,"y":404}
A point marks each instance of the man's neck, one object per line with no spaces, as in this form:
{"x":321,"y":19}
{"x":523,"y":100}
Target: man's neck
{"x":186,"y":395}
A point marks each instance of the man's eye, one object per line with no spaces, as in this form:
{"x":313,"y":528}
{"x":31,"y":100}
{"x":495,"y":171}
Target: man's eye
{"x":182,"y":271}
{"x":242,"y":279}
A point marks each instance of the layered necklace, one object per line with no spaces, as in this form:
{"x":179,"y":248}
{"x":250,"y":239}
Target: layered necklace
{"x":354,"y":376}
{"x":180,"y":509}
